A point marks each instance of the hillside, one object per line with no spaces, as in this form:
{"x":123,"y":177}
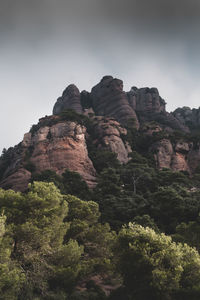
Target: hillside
{"x":101,"y":200}
{"x":107,"y":119}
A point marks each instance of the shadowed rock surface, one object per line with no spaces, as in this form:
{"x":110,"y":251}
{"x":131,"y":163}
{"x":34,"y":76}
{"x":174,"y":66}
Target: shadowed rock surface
{"x":17,"y":181}
{"x":175,"y":157}
{"x":109,"y":99}
{"x":60,"y":142}
{"x":149,"y":106}
{"x":146,"y":100}
{"x":187,"y":116}
{"x":109,"y":133}
{"x":70,"y":99}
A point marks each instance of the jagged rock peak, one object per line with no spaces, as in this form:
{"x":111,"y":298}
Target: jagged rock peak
{"x":146,"y":100}
{"x":188,"y":116}
{"x":70,"y":99}
{"x":106,"y":77}
{"x":109,"y":99}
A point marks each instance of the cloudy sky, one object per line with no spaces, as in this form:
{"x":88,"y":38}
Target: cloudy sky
{"x":47,"y":44}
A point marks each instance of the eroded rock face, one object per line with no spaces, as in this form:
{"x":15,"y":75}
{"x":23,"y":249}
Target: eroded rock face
{"x":187,"y":116}
{"x":60,"y":147}
{"x":70,"y":99}
{"x":57,"y":144}
{"x":163,"y":152}
{"x":150,"y":128}
{"x":172,"y":157}
{"x":109,"y":99}
{"x":179,"y":162}
{"x":146,"y":100}
{"x":109,"y":133}
{"x":142,"y":105}
{"x":149,"y":106}
{"x":57,"y":147}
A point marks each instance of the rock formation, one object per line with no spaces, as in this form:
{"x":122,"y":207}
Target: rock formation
{"x":109,"y":133}
{"x":175,"y":157}
{"x":58,"y":147}
{"x":59,"y":142}
{"x":146,"y":100}
{"x":109,"y":99}
{"x":56,"y":144}
{"x":187,"y":116}
{"x":70,"y":99}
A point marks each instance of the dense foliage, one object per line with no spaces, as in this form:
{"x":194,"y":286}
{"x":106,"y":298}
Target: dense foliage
{"x":53,"y":246}
{"x":49,"y":243}
{"x":136,"y":236}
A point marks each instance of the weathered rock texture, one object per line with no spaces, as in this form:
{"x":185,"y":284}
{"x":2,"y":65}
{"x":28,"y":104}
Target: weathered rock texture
{"x":109,"y":99}
{"x":109,"y":136}
{"x":146,"y":100}
{"x":187,"y":116}
{"x":58,"y":144}
{"x":57,"y":147}
{"x":70,"y":99}
{"x":175,"y":157}
{"x":61,"y":147}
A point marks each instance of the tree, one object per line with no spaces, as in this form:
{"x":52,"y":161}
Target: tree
{"x":171,"y":205}
{"x":188,"y":233}
{"x":146,"y":221}
{"x":167,"y":177}
{"x":155,"y":267}
{"x":51,"y":267}
{"x":96,"y":238}
{"x":74,"y":184}
{"x":49,"y":176}
{"x":137,"y":177}
{"x":109,"y":183}
{"x":119,"y":210}
{"x":103,"y":159}
{"x":11,"y":275}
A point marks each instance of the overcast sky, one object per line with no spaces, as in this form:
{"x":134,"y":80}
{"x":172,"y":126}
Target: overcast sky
{"x":47,"y":44}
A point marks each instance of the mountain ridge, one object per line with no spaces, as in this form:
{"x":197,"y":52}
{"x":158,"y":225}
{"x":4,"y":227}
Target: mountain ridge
{"x":102,"y":121}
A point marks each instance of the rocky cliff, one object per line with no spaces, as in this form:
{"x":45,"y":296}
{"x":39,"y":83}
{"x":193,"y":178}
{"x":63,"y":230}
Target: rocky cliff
{"x":57,"y":144}
{"x":146,"y":100}
{"x":109,"y":99}
{"x":109,"y":137}
{"x":70,"y":99}
{"x":187,"y":116}
{"x":175,"y":157}
{"x":60,"y":141}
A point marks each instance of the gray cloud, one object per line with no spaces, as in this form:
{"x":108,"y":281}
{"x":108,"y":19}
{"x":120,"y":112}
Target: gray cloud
{"x":47,"y":44}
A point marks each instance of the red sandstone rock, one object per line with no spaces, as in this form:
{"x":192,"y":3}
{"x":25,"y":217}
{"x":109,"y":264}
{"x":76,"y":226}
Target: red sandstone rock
{"x":109,"y":133}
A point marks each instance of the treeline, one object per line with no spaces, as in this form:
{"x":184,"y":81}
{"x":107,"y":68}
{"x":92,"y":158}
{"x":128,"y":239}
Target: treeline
{"x":53,"y":246}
